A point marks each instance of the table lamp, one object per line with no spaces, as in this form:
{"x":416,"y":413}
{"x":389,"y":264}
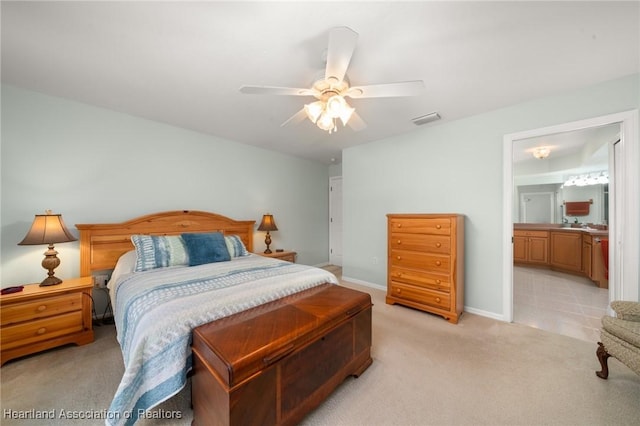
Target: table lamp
{"x":48,"y":229}
{"x":267,"y":224}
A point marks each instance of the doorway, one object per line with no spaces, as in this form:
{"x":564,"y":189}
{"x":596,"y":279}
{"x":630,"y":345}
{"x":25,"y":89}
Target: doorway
{"x":624,"y":205}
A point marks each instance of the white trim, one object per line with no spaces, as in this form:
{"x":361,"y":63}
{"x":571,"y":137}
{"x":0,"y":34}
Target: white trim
{"x":364,"y":283}
{"x":482,"y":313}
{"x":623,"y":284}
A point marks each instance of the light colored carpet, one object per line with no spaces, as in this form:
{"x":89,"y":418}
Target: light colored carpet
{"x":425,"y":371}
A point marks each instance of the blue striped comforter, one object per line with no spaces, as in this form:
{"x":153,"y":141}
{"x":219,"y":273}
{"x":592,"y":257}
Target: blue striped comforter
{"x":156,"y":310}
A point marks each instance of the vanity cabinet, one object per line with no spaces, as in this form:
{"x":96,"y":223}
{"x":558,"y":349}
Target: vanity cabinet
{"x":566,"y":251}
{"x":573,"y":250}
{"x":531,"y":247}
{"x":593,"y":265}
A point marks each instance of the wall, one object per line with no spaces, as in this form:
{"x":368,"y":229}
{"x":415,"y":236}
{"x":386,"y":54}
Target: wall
{"x":94,"y":166}
{"x":455,"y":167}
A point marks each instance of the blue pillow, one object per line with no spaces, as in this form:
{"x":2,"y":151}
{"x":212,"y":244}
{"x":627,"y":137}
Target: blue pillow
{"x":206,"y":248}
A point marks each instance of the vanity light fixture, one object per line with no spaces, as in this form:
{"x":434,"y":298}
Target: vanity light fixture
{"x":596,"y":178}
{"x":541,"y":152}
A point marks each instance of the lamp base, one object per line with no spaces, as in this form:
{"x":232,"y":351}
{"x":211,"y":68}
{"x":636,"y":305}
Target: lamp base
{"x":52,"y":280}
{"x":50,"y":262}
{"x":267,"y":241}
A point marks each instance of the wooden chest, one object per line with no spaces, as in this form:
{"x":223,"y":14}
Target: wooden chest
{"x":426,"y":263}
{"x":275,"y":363}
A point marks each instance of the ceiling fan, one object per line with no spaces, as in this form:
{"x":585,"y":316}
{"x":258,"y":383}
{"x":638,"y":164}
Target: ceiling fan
{"x":331,"y":90}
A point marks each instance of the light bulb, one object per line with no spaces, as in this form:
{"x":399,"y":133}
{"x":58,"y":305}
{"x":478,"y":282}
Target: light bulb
{"x":325,"y":122}
{"x":335,"y":106}
{"x":314,"y":110}
{"x":346,"y":114}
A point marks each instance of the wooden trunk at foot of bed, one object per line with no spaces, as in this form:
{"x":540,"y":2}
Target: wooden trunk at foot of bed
{"x":275,"y":363}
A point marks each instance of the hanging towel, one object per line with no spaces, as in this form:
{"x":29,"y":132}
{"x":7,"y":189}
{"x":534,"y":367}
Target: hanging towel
{"x":605,"y":255}
{"x":577,"y":208}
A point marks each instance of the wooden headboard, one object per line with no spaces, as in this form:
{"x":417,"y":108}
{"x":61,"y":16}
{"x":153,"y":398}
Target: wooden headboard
{"x":102,"y":244}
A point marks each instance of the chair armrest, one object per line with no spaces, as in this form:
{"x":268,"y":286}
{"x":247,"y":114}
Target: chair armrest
{"x":628,"y":311}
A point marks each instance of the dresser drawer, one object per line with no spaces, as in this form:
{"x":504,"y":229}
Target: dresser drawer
{"x":420,"y":295}
{"x":420,"y":278}
{"x":440,"y":264}
{"x":421,"y":242}
{"x":40,"y":330}
{"x":40,"y":308}
{"x":437,"y":226}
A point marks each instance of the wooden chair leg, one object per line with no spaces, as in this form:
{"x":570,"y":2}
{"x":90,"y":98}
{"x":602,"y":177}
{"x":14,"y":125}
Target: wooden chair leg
{"x":603,"y":356}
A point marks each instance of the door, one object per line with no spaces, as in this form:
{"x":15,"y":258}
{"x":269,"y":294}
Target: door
{"x":335,"y":221}
{"x":537,"y":207}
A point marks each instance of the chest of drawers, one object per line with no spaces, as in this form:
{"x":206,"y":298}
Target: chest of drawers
{"x":40,"y":318}
{"x":425,"y":256}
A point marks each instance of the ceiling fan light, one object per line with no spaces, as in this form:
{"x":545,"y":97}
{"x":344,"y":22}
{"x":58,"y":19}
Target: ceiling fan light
{"x":346,"y":114}
{"x":325,"y":122}
{"x":336,"y":105}
{"x":314,"y":110}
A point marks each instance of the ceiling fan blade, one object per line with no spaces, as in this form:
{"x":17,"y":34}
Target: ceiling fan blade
{"x":296,"y":118}
{"x":342,"y":43}
{"x":405,"y":88}
{"x":356,"y":122}
{"x":273,"y":90}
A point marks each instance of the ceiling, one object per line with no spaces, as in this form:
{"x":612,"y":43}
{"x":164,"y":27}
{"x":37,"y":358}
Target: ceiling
{"x":571,"y":153}
{"x":182,"y":63}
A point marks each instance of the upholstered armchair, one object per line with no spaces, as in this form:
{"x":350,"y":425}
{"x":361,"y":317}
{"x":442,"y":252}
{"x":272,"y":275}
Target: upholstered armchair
{"x":620,"y":337}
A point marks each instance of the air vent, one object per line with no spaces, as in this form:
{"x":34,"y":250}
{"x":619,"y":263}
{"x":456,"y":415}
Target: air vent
{"x":419,"y":121}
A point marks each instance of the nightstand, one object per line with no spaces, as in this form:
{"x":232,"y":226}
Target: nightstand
{"x":289,"y":256}
{"x":39,"y":318}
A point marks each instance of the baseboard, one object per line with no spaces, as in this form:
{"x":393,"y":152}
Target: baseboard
{"x":364,"y":283}
{"x":482,"y":313}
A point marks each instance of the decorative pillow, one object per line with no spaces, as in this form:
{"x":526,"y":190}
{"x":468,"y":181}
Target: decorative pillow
{"x":158,"y":252}
{"x":206,"y":248}
{"x":235,"y":246}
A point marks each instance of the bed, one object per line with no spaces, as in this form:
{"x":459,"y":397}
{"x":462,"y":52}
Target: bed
{"x":158,"y":299}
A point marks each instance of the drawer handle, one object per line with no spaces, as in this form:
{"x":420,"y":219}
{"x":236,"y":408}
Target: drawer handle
{"x":438,"y":263}
{"x":399,"y":257}
{"x":399,"y":241}
{"x":438,"y":281}
{"x":278,"y":355}
{"x":438,"y":245}
{"x":438,"y":226}
{"x":399,"y":274}
{"x":41,"y":331}
{"x":42,"y":308}
{"x":438,"y":299}
{"x":398,"y":291}
{"x":399,"y":225}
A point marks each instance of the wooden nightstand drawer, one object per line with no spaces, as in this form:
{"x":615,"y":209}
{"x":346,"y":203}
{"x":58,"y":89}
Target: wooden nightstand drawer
{"x":42,"y":329}
{"x":40,"y":318}
{"x":40,"y":308}
{"x":289,"y":256}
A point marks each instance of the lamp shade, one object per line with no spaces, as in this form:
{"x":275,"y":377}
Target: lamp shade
{"x":267,"y":224}
{"x":47,"y":229}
